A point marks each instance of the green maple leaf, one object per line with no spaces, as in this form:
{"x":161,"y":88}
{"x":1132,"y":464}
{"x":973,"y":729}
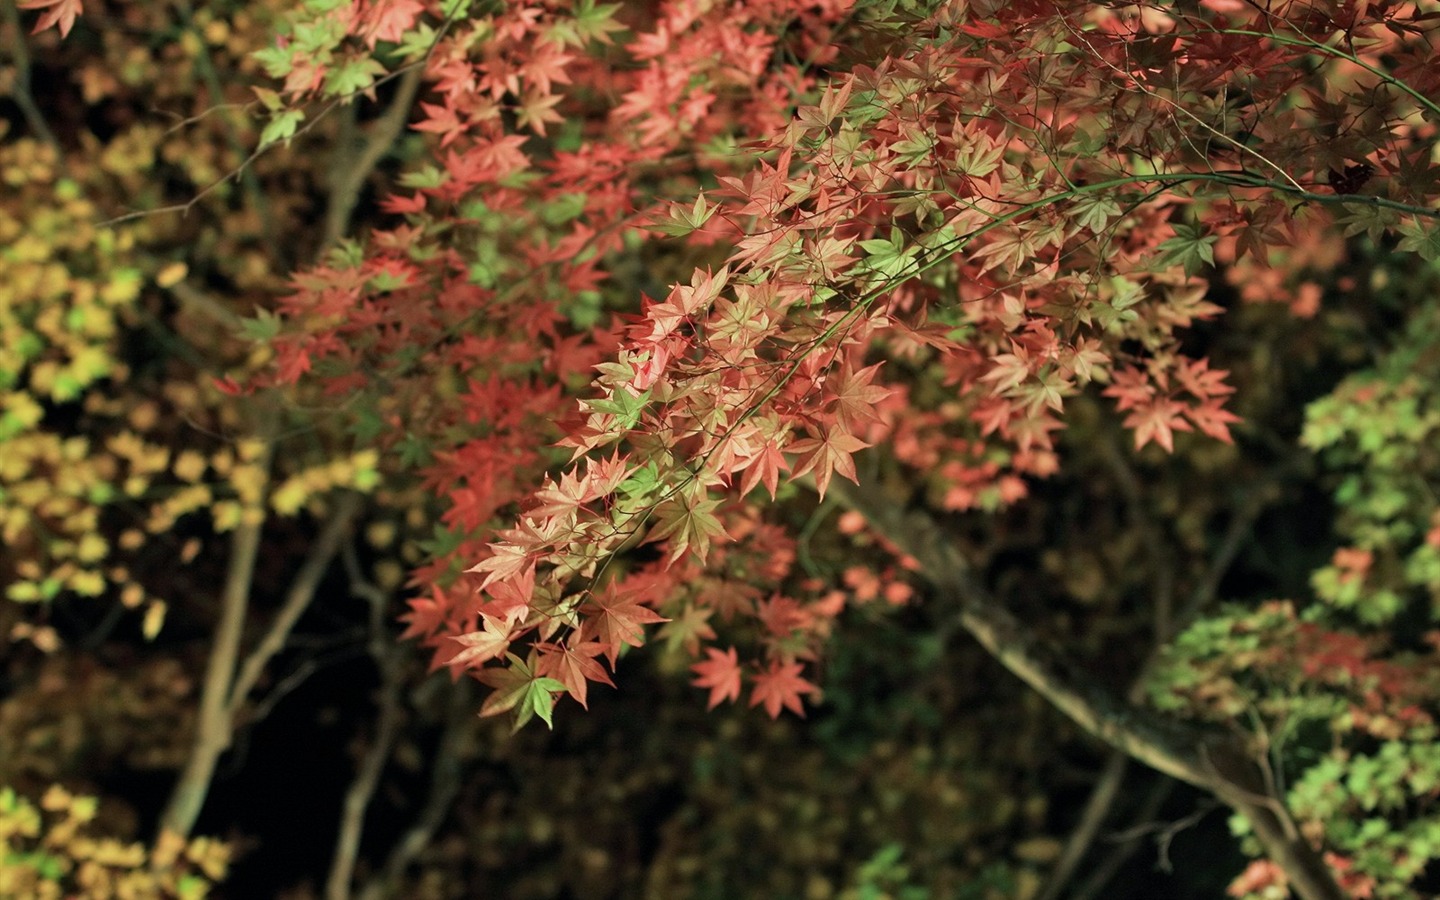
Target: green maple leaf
{"x":689,"y":524}
{"x":888,"y":258}
{"x":519,"y":688}
{"x":688,"y":629}
{"x":1418,"y":237}
{"x":281,"y":127}
{"x":1190,"y":247}
{"x":1095,"y":211}
{"x":353,"y":76}
{"x":624,"y":406}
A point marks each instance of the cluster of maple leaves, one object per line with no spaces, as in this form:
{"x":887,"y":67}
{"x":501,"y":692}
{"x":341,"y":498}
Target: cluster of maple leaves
{"x":1011,"y":201}
{"x":920,"y":227}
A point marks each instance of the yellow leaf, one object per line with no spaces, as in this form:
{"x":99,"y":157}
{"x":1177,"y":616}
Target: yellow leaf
{"x":92,"y":548}
{"x":154,"y":619}
{"x":88,"y":583}
{"x":190,"y":466}
{"x":171,"y":275}
{"x":289,"y":497}
{"x":132,"y":595}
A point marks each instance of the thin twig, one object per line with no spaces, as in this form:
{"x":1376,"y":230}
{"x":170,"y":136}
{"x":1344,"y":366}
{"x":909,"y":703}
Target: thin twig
{"x":1165,"y":833}
{"x":445,"y":779}
{"x":388,"y":656}
{"x":1126,"y":844}
{"x":248,"y":182}
{"x":283,"y":688}
{"x":1240,"y":147}
{"x":1107,"y":788}
{"x":1092,"y":817}
{"x":20,"y":84}
{"x":1141,"y":521}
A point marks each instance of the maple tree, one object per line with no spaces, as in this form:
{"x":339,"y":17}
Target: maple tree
{"x":651,"y":261}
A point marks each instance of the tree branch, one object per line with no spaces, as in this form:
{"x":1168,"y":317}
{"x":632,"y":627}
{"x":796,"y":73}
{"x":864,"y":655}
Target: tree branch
{"x":445,"y":778}
{"x":228,"y":678}
{"x":1206,"y":758}
{"x":1097,"y":807}
{"x":388,"y":661}
{"x":20,"y":86}
{"x":297,"y":598}
{"x":352,"y":167}
{"x":212,"y":726}
{"x":1129,"y":841}
{"x":248,"y":182}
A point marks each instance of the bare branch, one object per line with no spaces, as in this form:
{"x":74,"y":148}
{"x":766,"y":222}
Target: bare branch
{"x":1206,"y":758}
{"x":213,"y":724}
{"x":445,"y":779}
{"x":228,"y":679}
{"x":246,"y":175}
{"x":297,"y":599}
{"x":352,"y":167}
{"x":1127,"y":843}
{"x":1097,"y":807}
{"x":388,"y":656}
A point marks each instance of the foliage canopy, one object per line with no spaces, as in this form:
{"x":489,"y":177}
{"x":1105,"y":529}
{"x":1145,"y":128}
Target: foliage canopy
{"x":647,"y":278}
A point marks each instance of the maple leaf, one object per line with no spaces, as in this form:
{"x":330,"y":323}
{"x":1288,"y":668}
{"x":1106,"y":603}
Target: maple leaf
{"x":688,"y":524}
{"x":510,"y":596}
{"x":688,"y":629}
{"x":856,"y":398}
{"x":1131,"y":388}
{"x":481,"y":646}
{"x":1010,"y":369}
{"x":519,"y":687}
{"x":1211,"y":419}
{"x":783,"y":616}
{"x":826,"y":454}
{"x":1199,"y":379}
{"x":563,"y":498}
{"x":1157,"y":421}
{"x":781,"y":687}
{"x":537,"y":110}
{"x":1190,"y":247}
{"x":388,"y":20}
{"x":574,"y":666}
{"x":60,"y":13}
{"x":615,"y":618}
{"x":721,"y":674}
{"x":506,"y":560}
{"x":426,"y":616}
{"x":764,"y":468}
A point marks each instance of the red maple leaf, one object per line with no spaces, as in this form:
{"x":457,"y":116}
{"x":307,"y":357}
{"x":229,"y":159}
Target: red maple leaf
{"x":426,"y":616}
{"x":1210,"y":418}
{"x":720,"y":673}
{"x":780,"y":687}
{"x":61,"y":13}
{"x":1157,"y":421}
{"x":388,"y":20}
{"x":827,"y":454}
{"x":857,"y":400}
{"x":615,"y":619}
{"x":573,"y":666}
